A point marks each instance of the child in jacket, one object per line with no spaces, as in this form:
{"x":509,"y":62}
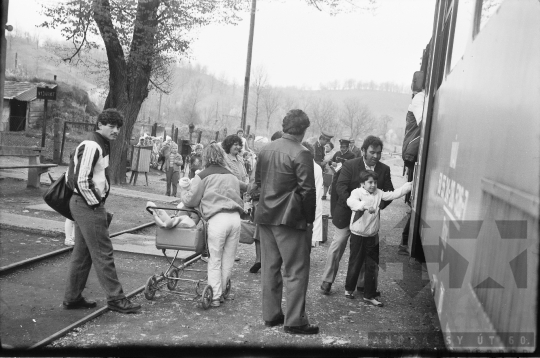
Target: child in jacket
{"x":365,"y":224}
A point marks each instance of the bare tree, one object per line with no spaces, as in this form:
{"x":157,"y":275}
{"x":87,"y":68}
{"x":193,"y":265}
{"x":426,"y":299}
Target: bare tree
{"x":271,"y":99}
{"x":324,"y":114}
{"x":189,"y":106}
{"x":142,"y":39}
{"x":260,"y":81}
{"x":382,"y":124}
{"x":357,"y":117}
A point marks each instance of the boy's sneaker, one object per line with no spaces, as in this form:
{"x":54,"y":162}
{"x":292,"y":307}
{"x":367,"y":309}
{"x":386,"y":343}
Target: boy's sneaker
{"x":204,"y":258}
{"x":215,"y":303}
{"x":373,"y":302}
{"x":69,"y":241}
{"x":123,"y":305}
{"x":349,"y":294}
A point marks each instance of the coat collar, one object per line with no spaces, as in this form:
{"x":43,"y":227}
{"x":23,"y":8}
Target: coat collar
{"x":290,"y":137}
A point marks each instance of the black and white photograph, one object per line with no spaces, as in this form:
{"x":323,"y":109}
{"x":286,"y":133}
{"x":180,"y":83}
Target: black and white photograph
{"x":318,"y":178}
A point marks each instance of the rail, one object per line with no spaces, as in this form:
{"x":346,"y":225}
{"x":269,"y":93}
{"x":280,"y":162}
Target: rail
{"x":35,"y":259}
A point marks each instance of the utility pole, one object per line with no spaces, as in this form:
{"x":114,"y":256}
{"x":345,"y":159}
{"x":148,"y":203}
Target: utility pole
{"x":159,"y":110}
{"x":248,"y":64}
{"x":4,"y":126}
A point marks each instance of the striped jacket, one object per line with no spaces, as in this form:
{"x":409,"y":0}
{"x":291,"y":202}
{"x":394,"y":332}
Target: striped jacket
{"x":88,"y":171}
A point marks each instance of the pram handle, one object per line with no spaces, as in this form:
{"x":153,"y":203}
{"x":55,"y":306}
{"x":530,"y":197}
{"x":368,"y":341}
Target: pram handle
{"x":173,"y":208}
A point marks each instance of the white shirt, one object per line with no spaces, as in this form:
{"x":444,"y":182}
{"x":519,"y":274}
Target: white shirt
{"x":367,"y":166}
{"x":417,"y":106}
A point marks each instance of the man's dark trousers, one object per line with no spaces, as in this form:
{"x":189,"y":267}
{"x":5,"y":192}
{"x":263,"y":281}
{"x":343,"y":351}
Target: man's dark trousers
{"x":290,"y":247}
{"x":92,"y":245}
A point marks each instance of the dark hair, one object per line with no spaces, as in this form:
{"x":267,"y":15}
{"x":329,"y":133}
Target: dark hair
{"x":111,"y":116}
{"x":229,"y":141}
{"x":372,"y":141}
{"x":331,"y":144}
{"x":309,"y":147}
{"x":295,"y":122}
{"x":322,"y":136}
{"x":240,"y":130}
{"x":276,"y":135}
{"x":366,"y":174}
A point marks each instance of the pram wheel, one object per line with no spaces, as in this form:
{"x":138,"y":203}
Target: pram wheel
{"x":227,"y":291}
{"x":171,"y":282}
{"x":150,"y":288}
{"x":207,"y":296}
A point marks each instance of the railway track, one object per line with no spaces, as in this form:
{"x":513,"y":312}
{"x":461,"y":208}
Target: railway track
{"x":23,"y":264}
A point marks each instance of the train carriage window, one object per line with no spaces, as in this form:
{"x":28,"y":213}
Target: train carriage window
{"x":463,"y":30}
{"x":484,"y":10}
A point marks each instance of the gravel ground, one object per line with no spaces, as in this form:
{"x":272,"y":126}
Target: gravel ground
{"x":407,"y":321}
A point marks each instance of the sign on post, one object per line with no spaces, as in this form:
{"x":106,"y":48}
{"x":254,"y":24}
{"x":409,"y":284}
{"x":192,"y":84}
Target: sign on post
{"x":46,"y":93}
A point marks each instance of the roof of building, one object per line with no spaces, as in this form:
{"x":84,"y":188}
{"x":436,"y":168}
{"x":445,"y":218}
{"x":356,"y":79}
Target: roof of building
{"x":23,"y":91}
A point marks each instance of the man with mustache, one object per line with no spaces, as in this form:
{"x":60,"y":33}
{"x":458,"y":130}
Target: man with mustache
{"x":348,"y":179}
{"x":88,"y":176}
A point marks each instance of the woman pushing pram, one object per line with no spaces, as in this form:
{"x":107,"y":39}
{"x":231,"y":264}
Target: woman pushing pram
{"x":216,"y":194}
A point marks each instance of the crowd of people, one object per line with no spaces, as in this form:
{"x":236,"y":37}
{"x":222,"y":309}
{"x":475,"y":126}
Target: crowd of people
{"x":282,"y":186}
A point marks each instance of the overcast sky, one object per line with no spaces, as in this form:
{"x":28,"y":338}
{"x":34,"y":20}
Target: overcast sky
{"x":301,"y":46}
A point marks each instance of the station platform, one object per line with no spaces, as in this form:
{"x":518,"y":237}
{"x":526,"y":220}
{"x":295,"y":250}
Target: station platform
{"x":132,"y":243}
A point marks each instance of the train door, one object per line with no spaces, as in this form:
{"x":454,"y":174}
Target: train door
{"x":476,"y":197}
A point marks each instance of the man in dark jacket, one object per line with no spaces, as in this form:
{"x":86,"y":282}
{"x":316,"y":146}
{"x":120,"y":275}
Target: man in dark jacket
{"x":285,"y":215}
{"x":324,"y":139}
{"x":348,"y":180}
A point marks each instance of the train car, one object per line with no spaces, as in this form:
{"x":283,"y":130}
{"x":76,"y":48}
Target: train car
{"x":475,"y":209}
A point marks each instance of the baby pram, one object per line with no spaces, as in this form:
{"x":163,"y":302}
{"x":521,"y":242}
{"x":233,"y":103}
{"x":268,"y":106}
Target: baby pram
{"x":177,"y":236}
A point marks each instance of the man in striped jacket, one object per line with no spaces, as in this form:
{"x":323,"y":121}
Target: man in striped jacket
{"x":88,"y":176}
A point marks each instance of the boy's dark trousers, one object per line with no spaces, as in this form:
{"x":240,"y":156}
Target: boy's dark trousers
{"x":172,"y":180}
{"x":363,"y":249}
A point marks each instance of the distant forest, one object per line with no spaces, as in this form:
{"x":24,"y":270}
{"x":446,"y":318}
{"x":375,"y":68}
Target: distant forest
{"x":193,"y":94}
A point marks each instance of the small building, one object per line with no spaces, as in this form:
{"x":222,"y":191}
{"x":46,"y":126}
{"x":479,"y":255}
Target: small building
{"x":21,"y":108}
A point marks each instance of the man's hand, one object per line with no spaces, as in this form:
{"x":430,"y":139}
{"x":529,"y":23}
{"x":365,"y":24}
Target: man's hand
{"x":309,"y":231}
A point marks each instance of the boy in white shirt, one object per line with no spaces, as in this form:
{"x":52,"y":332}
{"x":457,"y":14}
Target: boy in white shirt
{"x":365,"y":223}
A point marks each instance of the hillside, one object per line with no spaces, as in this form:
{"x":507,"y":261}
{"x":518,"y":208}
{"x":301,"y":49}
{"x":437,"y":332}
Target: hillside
{"x":34,"y":61}
{"x":196,"y":95}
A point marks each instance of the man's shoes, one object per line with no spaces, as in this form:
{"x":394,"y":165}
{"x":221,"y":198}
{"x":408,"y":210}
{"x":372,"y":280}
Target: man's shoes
{"x":69,"y":241}
{"x":237,"y":259}
{"x":82,"y":303}
{"x":403,"y":250}
{"x":305,"y":329}
{"x":278,"y":321}
{"x":349,"y":295}
{"x":361,"y":290}
{"x":255,"y":268}
{"x":325,"y":287}
{"x":373,"y":301}
{"x":123,"y":305}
